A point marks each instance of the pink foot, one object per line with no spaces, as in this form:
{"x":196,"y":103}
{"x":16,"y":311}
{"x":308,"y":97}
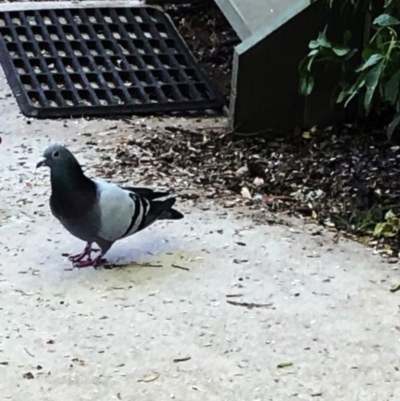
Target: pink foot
{"x":86,"y":252}
{"x":90,"y":262}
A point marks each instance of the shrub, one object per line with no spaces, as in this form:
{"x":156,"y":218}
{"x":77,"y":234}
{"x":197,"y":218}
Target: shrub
{"x":377,"y":79}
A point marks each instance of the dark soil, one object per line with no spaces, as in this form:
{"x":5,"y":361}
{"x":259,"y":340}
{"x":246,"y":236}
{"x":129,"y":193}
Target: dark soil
{"x":346,"y":180}
{"x":210,"y":38}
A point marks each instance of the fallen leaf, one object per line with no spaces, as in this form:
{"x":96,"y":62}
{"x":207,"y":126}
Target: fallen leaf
{"x":284,"y":365}
{"x":149,"y":378}
{"x":388,"y":228}
{"x":28,"y":376}
{"x":395,"y":288}
{"x":258,"y":182}
{"x":246,"y":193}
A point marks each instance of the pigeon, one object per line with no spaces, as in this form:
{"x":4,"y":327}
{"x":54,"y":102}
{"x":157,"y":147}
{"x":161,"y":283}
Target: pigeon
{"x":97,"y":211}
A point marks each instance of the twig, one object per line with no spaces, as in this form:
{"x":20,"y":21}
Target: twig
{"x":177,"y":130}
{"x":234,"y":132}
{"x":180,"y":267}
{"x":211,"y":128}
{"x":132,"y":264}
{"x":249,"y":305}
{"x":149,"y":265}
{"x":177,"y":360}
{"x":29,"y":353}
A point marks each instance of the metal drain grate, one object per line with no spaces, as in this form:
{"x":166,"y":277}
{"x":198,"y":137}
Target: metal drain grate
{"x":74,"y":62}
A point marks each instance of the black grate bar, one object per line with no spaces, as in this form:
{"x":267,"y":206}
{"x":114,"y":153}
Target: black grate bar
{"x":42,"y":98}
{"x":44,"y":67}
{"x":124,"y":44}
{"x":58,"y":65}
{"x":152,"y":58}
{"x":156,"y":34}
{"x":150,"y":49}
{"x":95,"y":67}
{"x":122,"y":58}
{"x":103,"y":51}
{"x":137,"y":57}
{"x":63,"y":36}
{"x":77,"y":62}
{"x":57,"y":61}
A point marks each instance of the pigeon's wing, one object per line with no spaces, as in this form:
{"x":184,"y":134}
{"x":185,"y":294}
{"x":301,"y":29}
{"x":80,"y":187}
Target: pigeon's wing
{"x":150,"y":194}
{"x":120,"y":211}
{"x":123,"y":213}
{"x":147,"y":193}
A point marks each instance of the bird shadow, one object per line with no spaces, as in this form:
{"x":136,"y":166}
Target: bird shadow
{"x":154,"y":247}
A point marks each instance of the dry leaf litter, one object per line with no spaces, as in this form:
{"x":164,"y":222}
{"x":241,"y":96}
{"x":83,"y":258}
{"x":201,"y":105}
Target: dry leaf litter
{"x":347,"y":181}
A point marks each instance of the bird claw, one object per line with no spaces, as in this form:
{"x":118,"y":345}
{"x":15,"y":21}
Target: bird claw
{"x":90,"y":262}
{"x":86,"y":252}
{"x":78,"y":257}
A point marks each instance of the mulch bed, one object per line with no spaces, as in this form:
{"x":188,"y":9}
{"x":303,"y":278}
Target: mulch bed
{"x":345,"y":180}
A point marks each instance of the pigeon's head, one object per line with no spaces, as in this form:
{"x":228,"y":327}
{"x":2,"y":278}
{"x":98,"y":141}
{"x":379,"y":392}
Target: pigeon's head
{"x":57,"y":156}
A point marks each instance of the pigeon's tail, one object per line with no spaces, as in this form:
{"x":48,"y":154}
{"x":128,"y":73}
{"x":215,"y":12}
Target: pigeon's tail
{"x":171,"y":214}
{"x":161,"y":210}
{"x":168,"y":212}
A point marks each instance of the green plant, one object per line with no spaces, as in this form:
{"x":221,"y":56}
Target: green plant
{"x":363,"y":222}
{"x":377,"y":78}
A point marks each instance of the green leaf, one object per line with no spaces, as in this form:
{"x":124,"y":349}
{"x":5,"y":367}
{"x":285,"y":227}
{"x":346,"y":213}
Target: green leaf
{"x":367,"y":53}
{"x":323,"y":40}
{"x":392,"y":87}
{"x":372,"y":60}
{"x":371,"y":82}
{"x":393,"y":125}
{"x":347,"y":36}
{"x":306,"y":84}
{"x":389,"y":215}
{"x":386,"y":20}
{"x":341,"y":50}
{"x":384,"y":230}
{"x":314,"y":44}
{"x":354,"y":89}
{"x":310,"y":63}
{"x":342,"y":95}
{"x":389,"y":228}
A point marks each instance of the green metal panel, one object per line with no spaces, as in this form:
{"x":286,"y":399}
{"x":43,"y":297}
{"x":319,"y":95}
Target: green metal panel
{"x":265,"y":73}
{"x":249,"y":16}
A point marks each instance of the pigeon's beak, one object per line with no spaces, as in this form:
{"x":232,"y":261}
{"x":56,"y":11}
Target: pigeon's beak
{"x":42,"y":163}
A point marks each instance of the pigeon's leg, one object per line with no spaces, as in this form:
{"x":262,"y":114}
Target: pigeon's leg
{"x":86,"y":252}
{"x":104,"y":246}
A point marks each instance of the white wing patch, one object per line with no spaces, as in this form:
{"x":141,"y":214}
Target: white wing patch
{"x":117,"y":210}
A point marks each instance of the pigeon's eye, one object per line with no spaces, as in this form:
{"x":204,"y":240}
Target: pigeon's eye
{"x":56,"y":154}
